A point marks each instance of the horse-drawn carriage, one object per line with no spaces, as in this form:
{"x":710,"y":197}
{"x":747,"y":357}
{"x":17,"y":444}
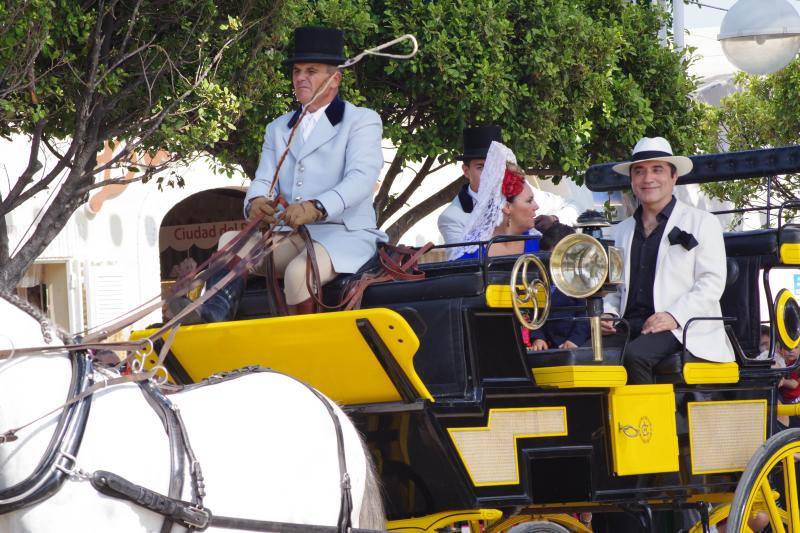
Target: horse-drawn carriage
{"x":467,"y":425}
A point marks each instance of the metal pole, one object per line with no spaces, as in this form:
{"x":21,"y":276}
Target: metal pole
{"x":662,"y":33}
{"x":678,"y":26}
{"x":769,"y":200}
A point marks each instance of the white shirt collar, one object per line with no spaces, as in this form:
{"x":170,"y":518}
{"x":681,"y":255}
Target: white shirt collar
{"x":310,"y":121}
{"x":315,"y":115}
{"x":472,"y":193}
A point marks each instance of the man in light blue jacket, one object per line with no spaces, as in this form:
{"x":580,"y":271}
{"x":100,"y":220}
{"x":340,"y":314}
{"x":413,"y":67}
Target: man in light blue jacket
{"x":328,"y":178}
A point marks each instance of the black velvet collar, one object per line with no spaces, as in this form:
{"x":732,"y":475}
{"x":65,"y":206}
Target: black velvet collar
{"x":334,"y":112}
{"x":467,"y":203}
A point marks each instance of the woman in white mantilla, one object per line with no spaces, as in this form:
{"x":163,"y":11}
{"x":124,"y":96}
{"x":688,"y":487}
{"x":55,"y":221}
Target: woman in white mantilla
{"x":505,"y":206}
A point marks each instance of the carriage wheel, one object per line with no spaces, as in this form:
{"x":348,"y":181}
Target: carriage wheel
{"x":769,"y":482}
{"x":538,"y":527}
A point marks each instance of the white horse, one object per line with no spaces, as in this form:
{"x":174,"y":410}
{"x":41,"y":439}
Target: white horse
{"x":265,"y":442}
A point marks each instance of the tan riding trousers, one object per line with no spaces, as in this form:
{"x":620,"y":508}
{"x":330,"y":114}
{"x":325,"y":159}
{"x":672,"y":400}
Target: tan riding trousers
{"x":290,"y":263}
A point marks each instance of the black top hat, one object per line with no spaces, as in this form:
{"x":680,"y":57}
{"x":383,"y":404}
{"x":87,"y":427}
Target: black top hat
{"x":315,"y":44}
{"x":477,"y":141}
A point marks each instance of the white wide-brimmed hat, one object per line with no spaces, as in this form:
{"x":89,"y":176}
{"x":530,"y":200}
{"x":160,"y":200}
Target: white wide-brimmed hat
{"x":654,"y":149}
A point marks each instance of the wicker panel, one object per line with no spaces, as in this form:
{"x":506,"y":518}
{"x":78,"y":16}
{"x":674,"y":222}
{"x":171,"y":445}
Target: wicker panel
{"x":490,"y":453}
{"x":724,"y":435}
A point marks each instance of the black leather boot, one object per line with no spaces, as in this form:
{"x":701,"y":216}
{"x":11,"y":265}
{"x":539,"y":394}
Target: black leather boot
{"x":219,"y":308}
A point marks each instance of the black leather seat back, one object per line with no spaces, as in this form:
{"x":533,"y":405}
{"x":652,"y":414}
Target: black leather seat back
{"x":748,"y":251}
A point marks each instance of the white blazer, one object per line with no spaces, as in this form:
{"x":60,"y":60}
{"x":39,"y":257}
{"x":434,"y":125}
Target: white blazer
{"x":452,"y":222}
{"x":688,"y":283}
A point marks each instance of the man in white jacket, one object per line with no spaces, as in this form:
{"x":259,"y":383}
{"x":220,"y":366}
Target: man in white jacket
{"x":675,"y":267}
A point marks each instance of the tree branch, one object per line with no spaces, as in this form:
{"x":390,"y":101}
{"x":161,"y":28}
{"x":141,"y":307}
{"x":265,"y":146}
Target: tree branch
{"x":400,"y":226}
{"x":392,"y":172}
{"x":27,"y":175}
{"x":397,"y":203}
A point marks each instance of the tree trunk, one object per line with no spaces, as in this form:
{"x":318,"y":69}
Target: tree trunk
{"x":400,"y":200}
{"x":423,"y":209}
{"x":382,"y":198}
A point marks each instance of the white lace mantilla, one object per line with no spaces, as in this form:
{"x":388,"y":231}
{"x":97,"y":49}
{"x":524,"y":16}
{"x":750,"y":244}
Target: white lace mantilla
{"x":487,"y":213}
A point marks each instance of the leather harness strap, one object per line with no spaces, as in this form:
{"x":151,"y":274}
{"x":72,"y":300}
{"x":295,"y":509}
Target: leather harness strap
{"x":192,"y":514}
{"x":192,"y":517}
{"x":59,"y":457}
{"x":397,"y":263}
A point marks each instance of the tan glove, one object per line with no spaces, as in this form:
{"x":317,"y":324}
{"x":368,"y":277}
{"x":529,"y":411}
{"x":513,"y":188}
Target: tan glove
{"x":259,"y":206}
{"x":302,"y":213}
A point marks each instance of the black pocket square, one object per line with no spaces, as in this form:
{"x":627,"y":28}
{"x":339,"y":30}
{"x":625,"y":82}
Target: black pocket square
{"x":678,"y":236}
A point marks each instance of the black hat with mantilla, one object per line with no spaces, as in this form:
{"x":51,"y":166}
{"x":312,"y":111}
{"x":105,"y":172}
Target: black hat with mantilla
{"x":315,"y":44}
{"x":477,"y":141}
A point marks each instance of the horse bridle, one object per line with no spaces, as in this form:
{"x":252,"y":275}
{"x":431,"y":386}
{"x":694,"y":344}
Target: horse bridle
{"x":59,"y":457}
{"x":59,"y":463}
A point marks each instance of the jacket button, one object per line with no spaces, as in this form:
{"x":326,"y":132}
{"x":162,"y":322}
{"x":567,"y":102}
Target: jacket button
{"x":301,"y":168}
{"x":300,"y":183}
{"x":298,"y":198}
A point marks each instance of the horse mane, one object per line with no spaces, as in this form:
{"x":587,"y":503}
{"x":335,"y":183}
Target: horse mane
{"x":45,"y":323}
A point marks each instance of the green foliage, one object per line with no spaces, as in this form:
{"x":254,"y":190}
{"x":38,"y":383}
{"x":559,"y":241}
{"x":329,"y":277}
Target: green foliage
{"x":572,"y":83}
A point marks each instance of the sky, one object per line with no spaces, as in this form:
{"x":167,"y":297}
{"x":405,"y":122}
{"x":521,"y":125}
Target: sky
{"x":703,"y":17}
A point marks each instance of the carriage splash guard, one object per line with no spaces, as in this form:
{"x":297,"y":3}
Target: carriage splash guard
{"x":353,"y":357}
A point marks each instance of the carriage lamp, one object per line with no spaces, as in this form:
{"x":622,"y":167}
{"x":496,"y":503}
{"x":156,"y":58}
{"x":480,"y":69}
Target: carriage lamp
{"x":580,"y":266}
{"x":760,"y":36}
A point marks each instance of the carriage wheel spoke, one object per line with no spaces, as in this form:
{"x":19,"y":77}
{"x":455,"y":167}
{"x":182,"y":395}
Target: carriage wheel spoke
{"x":790,"y":494}
{"x":772,"y":509}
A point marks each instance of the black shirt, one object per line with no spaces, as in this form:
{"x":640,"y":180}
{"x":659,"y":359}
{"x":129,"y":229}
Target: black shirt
{"x":644,"y":254}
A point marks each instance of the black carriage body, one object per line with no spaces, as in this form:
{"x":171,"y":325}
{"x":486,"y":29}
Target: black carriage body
{"x":473,"y":361}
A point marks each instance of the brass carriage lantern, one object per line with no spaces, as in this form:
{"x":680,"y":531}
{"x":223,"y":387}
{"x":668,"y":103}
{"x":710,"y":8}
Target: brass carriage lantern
{"x":581,"y":266}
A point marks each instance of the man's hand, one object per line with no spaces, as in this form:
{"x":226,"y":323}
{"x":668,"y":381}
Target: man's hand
{"x":539,"y":344}
{"x":543,"y":222}
{"x":302,"y":213}
{"x":607,"y":327}
{"x":259,"y":206}
{"x":658,"y":322}
{"x":568,"y":345}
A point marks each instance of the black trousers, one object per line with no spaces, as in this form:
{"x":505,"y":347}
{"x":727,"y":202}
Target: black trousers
{"x":644,"y":353}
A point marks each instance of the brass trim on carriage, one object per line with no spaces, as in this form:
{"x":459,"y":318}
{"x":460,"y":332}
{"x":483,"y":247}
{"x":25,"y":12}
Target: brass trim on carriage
{"x":353,"y":357}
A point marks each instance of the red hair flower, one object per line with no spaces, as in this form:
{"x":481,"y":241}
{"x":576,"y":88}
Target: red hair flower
{"x":513,"y":183}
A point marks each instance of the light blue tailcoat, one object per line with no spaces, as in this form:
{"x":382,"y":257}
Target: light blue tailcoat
{"x":339,"y":165}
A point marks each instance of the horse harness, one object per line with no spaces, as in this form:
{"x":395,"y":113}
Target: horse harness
{"x":59,"y":463}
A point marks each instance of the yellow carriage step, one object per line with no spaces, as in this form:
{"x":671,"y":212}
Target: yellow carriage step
{"x":708,"y":373}
{"x":353,"y":357}
{"x":580,"y":376}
